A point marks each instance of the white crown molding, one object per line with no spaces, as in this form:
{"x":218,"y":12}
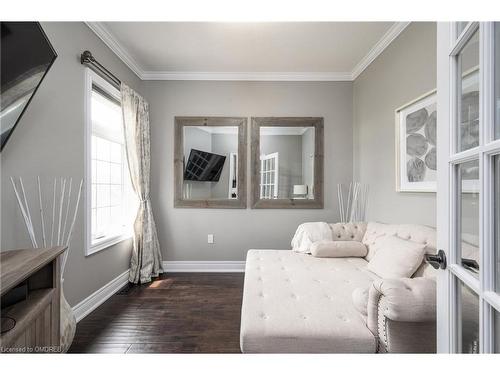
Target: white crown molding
{"x":103,"y":33}
{"x":246,"y":76}
{"x":379,"y":47}
{"x":204,"y":266}
{"x":92,"y":302}
{"x":106,"y":36}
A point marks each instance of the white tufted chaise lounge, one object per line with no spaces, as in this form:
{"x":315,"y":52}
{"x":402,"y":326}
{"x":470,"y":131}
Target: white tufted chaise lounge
{"x":296,"y":303}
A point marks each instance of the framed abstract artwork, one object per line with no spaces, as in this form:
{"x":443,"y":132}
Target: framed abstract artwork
{"x":416,"y":132}
{"x":416,"y":126}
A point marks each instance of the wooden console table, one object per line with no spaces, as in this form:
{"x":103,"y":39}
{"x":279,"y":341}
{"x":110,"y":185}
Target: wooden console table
{"x":36,"y":272}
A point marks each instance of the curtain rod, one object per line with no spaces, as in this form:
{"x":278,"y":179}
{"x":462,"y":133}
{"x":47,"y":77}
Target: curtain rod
{"x":86,"y":58}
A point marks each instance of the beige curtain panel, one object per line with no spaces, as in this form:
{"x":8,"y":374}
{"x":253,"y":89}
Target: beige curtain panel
{"x":146,"y":256}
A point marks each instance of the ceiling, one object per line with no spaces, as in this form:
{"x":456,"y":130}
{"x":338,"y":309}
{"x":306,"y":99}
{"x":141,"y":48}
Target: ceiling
{"x":318,"y":51}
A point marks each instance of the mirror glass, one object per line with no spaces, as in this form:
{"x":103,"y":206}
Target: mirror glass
{"x":286,"y":162}
{"x":210,"y":162}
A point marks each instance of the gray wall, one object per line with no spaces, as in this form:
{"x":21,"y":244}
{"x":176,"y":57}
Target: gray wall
{"x":183,"y":232}
{"x":223,"y":144}
{"x":199,"y":140}
{"x":48,"y":142}
{"x":404,"y":71}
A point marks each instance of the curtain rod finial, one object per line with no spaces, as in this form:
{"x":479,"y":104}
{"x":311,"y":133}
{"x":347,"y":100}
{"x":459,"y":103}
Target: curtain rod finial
{"x":86,"y":57}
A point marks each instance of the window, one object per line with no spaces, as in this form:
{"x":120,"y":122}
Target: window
{"x":460,"y":27}
{"x":468,"y":316}
{"x":496,"y":78}
{"x":468,"y":213}
{"x":496,"y":228}
{"x":110,"y":198}
{"x":468,"y":98}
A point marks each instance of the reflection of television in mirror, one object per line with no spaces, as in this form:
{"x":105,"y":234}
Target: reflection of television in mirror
{"x":26,"y":57}
{"x":203,"y":166}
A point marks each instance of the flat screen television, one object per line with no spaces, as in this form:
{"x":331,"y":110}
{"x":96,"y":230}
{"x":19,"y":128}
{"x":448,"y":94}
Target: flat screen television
{"x":26,"y":57}
{"x":203,"y":166}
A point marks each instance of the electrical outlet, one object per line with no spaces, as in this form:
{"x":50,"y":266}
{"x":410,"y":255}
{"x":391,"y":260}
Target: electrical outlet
{"x":210,"y":238}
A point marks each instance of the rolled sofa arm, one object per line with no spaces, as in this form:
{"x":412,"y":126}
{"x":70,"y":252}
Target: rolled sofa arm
{"x":402,"y":314}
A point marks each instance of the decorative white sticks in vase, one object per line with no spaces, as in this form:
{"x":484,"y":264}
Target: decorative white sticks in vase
{"x":60,"y":235}
{"x":354,"y":209}
{"x":60,"y":232}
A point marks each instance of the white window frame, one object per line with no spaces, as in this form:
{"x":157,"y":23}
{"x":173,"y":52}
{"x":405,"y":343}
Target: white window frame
{"x":92,"y":78}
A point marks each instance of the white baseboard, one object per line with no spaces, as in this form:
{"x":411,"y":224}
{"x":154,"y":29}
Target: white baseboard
{"x":204,"y":266}
{"x":89,"y":304}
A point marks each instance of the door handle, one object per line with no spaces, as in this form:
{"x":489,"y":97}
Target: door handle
{"x":437,"y":260}
{"x":470,"y":264}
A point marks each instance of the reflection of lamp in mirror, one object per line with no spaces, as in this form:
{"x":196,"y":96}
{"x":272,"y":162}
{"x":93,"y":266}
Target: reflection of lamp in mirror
{"x":299,"y":191}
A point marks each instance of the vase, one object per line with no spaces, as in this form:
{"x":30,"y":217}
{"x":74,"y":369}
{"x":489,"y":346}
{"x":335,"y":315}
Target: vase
{"x":68,"y":324}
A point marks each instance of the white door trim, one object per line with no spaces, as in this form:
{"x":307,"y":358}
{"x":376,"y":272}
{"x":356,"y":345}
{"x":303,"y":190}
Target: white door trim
{"x":443,"y":280}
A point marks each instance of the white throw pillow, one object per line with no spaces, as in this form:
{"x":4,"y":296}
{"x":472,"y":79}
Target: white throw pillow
{"x":396,"y":258}
{"x":338,"y":249}
{"x":308,"y":233}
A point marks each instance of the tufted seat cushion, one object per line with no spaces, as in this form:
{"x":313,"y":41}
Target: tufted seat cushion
{"x":296,"y":303}
{"x":360,"y":300}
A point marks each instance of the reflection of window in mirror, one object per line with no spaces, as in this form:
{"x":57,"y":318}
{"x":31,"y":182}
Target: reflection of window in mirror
{"x":286,"y":162}
{"x":209,"y":157}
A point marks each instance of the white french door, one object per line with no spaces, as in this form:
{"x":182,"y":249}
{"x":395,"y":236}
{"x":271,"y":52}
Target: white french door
{"x":468,"y":197}
{"x":269,"y":176}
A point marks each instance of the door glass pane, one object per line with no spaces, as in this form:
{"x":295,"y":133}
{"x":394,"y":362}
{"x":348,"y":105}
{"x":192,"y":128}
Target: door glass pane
{"x":496,"y":221}
{"x":468,"y":98}
{"x":496,"y":324}
{"x":497,"y":80}
{"x":468,"y":209}
{"x":468,"y":320}
{"x":461,"y":27}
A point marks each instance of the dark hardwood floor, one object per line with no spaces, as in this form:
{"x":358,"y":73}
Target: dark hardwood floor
{"x":178,"y":313}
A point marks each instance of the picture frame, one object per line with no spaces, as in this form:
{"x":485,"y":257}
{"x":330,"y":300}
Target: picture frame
{"x":415,"y":140}
{"x":427,"y":101}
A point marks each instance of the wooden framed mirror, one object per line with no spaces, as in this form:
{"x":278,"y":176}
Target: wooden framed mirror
{"x":287,"y":162}
{"x":210,"y":162}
